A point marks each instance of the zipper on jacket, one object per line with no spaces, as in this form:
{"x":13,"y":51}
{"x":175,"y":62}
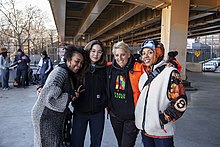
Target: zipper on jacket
{"x":92,"y":94}
{"x":162,"y":127}
{"x":145,"y":107}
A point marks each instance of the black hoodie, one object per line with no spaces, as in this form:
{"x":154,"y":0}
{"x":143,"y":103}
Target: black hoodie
{"x":121,"y":100}
{"x":94,"y":98}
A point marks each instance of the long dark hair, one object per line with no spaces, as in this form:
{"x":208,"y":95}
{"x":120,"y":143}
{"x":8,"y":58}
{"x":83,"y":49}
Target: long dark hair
{"x":101,"y":63}
{"x":88,"y":47}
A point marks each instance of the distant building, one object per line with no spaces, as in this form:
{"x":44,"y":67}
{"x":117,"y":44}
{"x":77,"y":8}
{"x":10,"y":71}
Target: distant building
{"x":207,"y":46}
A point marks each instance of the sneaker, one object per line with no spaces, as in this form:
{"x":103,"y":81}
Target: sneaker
{"x":5,"y":89}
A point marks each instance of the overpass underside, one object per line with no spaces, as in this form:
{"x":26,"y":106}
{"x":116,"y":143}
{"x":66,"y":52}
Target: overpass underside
{"x":133,"y":21}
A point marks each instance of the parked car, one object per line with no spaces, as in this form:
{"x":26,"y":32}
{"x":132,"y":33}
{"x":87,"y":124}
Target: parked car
{"x":215,"y":62}
{"x":208,"y":66}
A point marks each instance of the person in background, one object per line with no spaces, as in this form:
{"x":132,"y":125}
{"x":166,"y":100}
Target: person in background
{"x":137,"y":57}
{"x":22,"y":60}
{"x":4,"y":67}
{"x":89,"y":107}
{"x":49,"y":111}
{"x":45,"y":68}
{"x":162,"y":100}
{"x":123,"y":77}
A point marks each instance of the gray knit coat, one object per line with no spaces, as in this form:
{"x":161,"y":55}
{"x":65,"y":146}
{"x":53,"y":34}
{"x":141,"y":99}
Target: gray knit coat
{"x":48,"y":113}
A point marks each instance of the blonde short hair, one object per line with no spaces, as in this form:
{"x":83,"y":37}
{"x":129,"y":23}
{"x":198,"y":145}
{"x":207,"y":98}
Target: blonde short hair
{"x":121,"y":45}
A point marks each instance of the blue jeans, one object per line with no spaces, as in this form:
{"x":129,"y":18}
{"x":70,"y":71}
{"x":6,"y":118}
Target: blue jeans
{"x":43,"y":78}
{"x":157,"y":142}
{"x":96,"y":125}
{"x":5,"y":78}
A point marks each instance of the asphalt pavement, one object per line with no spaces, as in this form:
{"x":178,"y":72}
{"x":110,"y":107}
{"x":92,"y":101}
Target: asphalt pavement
{"x":198,"y":127}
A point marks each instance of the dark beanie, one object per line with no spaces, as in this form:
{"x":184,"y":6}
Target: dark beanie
{"x":19,"y":50}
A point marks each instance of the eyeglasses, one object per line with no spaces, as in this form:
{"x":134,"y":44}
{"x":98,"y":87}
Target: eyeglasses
{"x":94,"y":52}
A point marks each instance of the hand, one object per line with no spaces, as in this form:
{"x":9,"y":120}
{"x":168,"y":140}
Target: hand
{"x":162,"y":117}
{"x":77,"y":93}
{"x":24,"y":57}
{"x":19,"y":61}
{"x":38,"y":91}
{"x":12,"y":68}
{"x":39,"y":87}
{"x":79,"y":90}
{"x":170,"y":64}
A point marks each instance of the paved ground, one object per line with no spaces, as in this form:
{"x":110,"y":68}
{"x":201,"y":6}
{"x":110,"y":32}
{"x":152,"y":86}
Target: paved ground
{"x":199,"y":126}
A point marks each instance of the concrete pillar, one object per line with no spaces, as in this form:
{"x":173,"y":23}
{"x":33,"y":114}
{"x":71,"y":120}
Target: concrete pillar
{"x":174,"y":29}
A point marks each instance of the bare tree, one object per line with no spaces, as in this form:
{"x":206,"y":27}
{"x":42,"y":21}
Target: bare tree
{"x":25,"y":26}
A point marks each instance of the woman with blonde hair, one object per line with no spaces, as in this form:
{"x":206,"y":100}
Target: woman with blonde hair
{"x":123,"y":77}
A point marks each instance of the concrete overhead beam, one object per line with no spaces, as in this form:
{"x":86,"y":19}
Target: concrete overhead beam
{"x":58,"y":8}
{"x":80,"y":1}
{"x":96,"y":11}
{"x":211,"y":32}
{"x":145,"y":23}
{"x":118,"y":21}
{"x":207,"y":19}
{"x":204,"y":27}
{"x":155,"y":19}
{"x":206,"y":3}
{"x":154,"y":4}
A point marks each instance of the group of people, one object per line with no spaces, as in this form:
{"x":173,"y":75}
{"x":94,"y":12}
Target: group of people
{"x":144,"y":96}
{"x":21,"y":62}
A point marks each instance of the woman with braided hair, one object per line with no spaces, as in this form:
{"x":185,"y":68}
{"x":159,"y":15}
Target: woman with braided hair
{"x":162,"y":99}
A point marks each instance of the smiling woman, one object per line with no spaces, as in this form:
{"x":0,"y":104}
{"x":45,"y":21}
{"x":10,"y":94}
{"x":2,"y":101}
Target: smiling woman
{"x":123,"y":77}
{"x":50,"y":110}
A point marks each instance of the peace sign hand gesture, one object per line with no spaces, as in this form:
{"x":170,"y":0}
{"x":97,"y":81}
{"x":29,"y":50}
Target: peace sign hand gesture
{"x":77,"y":93}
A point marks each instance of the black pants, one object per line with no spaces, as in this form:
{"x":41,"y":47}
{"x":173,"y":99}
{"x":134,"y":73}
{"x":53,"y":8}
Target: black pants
{"x":21,"y":77}
{"x":125,"y":131}
{"x":96,"y":125}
